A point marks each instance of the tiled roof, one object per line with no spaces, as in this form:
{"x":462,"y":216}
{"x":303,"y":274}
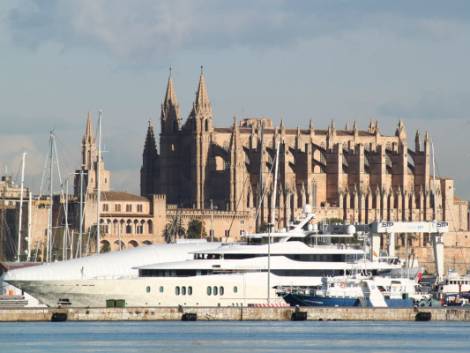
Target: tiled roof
{"x":121,"y":196}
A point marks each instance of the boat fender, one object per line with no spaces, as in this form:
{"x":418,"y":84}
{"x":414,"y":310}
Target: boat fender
{"x":189,"y":317}
{"x":423,"y":316}
{"x":59,"y":317}
{"x":299,"y":316}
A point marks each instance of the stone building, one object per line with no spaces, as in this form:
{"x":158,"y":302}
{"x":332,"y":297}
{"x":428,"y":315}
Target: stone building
{"x":34,"y":222}
{"x":362,"y":175}
{"x":352,"y":174}
{"x":129,"y":220}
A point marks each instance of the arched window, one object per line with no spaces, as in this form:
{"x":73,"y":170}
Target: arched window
{"x":150,"y":227}
{"x":219,"y":164}
{"x":206,"y":125}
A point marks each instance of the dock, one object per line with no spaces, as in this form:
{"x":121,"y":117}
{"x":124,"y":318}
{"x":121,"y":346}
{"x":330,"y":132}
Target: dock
{"x":231,"y":314}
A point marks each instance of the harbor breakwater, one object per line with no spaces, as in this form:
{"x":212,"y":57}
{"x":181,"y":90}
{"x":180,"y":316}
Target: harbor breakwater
{"x":230,"y":314}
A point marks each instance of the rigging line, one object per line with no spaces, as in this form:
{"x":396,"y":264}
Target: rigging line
{"x":57,"y":160}
{"x":238,"y":203}
{"x":265,"y":187}
{"x":43,"y":177}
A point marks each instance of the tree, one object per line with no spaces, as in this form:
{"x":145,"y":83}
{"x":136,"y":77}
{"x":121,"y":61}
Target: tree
{"x":105,"y":247}
{"x":173,"y":230}
{"x":195,"y":229}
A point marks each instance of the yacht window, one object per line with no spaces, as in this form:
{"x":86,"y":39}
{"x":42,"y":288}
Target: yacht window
{"x":183,"y":290}
{"x":177,"y":290}
{"x":235,"y":289}
{"x":215,"y":290}
{"x":161,"y":289}
{"x":221,"y":290}
{"x":190,"y":290}
{"x":209,"y":290}
{"x":147,"y":289}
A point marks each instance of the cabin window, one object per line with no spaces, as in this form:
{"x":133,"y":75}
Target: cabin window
{"x":147,"y":289}
{"x":221,"y":290}
{"x":209,"y":290}
{"x":190,"y":290}
{"x":161,"y":289}
{"x":177,"y":290}
{"x":235,"y":289}
{"x":215,"y":290}
{"x":183,"y":290}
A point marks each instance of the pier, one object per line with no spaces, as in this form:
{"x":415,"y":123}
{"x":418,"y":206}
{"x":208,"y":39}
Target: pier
{"x":231,"y":314}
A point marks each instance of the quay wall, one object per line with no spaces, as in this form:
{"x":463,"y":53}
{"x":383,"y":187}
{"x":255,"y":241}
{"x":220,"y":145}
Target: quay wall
{"x":232,"y":313}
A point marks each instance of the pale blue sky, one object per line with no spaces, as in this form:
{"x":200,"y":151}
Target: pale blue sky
{"x":298,"y":60}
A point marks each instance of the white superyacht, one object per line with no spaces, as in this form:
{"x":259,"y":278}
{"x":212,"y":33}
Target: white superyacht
{"x":219,"y":275}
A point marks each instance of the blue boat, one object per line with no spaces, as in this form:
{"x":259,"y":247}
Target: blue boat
{"x":378,"y":292}
{"x":297,"y":299}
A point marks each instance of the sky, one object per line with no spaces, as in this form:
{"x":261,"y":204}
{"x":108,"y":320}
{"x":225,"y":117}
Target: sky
{"x":292,"y":60}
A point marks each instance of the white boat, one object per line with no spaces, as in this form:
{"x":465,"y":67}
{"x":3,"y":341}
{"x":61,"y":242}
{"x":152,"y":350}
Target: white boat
{"x":114,"y":265}
{"x":360,"y":291}
{"x":219,"y":275}
{"x":454,"y":283}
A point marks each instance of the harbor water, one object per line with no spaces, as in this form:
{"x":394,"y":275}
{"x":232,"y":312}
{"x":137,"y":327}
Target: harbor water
{"x":235,"y":336}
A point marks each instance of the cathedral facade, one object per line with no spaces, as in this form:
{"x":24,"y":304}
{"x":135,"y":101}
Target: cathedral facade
{"x":352,"y":174}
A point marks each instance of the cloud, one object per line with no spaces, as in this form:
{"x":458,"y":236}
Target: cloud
{"x":429,"y":105}
{"x":147,"y":30}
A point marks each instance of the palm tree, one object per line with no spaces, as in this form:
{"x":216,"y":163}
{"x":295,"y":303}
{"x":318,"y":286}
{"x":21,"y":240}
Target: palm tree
{"x":173,"y":230}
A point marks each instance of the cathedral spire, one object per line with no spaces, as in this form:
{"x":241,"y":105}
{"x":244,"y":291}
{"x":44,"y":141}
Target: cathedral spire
{"x":150,"y":145}
{"x":170,"y":113}
{"x":150,"y":164}
{"x":170,"y":96}
{"x":88,"y":136}
{"x":202,"y":103}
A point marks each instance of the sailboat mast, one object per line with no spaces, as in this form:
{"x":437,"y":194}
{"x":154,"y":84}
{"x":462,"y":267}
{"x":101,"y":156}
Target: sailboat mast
{"x":20,"y":216}
{"x":271,"y":223}
{"x":80,"y":235}
{"x":30,"y":217}
{"x":66,"y":228}
{"x":51,"y":174}
{"x":98,"y":186}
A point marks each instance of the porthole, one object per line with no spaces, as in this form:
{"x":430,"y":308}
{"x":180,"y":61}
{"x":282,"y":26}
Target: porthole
{"x":209,"y":290}
{"x":190,"y":290}
{"x":221,"y":290}
{"x":215,"y":290}
{"x":147,"y":289}
{"x":177,"y":290}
